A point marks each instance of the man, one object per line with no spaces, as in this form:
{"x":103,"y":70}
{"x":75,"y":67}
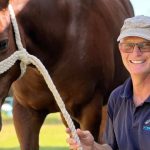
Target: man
{"x":128,"y":123}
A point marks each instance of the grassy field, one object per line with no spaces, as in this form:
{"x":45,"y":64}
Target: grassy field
{"x":52,"y":136}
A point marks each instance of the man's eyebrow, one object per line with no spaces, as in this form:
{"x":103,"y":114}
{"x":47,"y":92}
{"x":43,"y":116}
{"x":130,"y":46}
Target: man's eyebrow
{"x":144,"y":41}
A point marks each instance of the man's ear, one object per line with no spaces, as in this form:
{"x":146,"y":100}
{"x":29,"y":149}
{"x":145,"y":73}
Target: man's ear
{"x":4,"y":4}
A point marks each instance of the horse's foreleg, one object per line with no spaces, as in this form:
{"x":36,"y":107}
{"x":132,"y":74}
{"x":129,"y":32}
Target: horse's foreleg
{"x":91,"y":116}
{"x":27,"y":124}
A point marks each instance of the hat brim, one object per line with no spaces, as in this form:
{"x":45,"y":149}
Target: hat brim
{"x":139,"y":32}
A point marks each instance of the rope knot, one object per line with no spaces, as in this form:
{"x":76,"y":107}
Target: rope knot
{"x":24,"y":56}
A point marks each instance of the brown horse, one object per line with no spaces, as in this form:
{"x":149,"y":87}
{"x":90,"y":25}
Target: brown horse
{"x":76,"y":42}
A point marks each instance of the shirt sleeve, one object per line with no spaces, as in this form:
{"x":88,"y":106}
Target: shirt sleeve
{"x":109,"y":135}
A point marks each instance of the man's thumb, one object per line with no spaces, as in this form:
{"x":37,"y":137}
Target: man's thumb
{"x":82,"y":134}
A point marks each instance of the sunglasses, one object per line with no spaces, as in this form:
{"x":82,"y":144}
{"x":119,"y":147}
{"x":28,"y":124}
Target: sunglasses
{"x":129,"y":47}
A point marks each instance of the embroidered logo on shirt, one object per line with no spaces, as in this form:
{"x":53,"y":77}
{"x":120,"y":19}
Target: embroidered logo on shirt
{"x":146,"y":126}
{"x":147,"y":121}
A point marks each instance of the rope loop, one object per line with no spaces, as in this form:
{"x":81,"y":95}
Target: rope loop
{"x":24,"y":57}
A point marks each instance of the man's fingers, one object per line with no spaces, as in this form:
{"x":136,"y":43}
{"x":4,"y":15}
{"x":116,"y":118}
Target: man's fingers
{"x":68,"y":131}
{"x":72,"y":143}
{"x":82,"y":134}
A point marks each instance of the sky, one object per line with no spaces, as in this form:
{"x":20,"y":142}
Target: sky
{"x":141,"y":7}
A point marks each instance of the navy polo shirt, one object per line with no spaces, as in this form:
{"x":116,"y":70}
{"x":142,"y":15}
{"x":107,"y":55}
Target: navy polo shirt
{"x":128,"y":126}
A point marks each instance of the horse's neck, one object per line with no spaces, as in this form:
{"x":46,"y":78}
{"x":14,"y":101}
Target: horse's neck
{"x":43,"y":32}
{"x":47,"y":24}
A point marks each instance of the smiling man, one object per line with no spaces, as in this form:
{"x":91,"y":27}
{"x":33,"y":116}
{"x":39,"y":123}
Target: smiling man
{"x":128,"y":123}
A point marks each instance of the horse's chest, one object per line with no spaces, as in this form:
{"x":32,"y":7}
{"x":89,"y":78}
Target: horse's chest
{"x":31,"y":90}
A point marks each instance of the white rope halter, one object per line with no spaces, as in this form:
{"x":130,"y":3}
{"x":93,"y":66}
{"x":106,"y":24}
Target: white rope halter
{"x":26,"y":59}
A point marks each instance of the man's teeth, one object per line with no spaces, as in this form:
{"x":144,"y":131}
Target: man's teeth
{"x":137,"y":61}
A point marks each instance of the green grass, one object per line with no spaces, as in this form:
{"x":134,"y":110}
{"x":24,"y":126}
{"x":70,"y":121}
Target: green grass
{"x":52,"y":135}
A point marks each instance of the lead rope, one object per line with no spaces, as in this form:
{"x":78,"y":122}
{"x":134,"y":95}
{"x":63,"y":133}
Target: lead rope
{"x":26,"y":59}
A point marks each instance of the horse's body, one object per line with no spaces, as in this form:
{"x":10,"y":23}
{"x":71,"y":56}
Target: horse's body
{"x":76,"y":41}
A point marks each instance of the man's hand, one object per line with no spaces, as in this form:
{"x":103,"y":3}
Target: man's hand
{"x":86,"y":139}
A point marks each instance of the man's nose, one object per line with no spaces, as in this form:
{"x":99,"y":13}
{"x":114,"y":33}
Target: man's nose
{"x":137,"y":50}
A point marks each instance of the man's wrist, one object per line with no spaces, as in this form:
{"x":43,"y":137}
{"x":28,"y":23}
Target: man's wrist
{"x":97,"y":146}
{"x":106,"y":147}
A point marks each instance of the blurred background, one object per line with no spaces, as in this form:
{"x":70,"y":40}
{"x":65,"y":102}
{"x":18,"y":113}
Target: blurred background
{"x":141,"y":7}
{"x":52,"y":136}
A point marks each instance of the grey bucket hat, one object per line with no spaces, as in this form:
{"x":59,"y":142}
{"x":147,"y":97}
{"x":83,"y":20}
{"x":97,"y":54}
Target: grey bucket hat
{"x":136,"y":26}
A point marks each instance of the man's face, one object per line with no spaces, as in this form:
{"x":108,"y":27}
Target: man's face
{"x":136,"y":57}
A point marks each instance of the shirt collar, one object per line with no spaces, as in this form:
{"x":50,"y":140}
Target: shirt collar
{"x":127,"y":90}
{"x":148,"y":100}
